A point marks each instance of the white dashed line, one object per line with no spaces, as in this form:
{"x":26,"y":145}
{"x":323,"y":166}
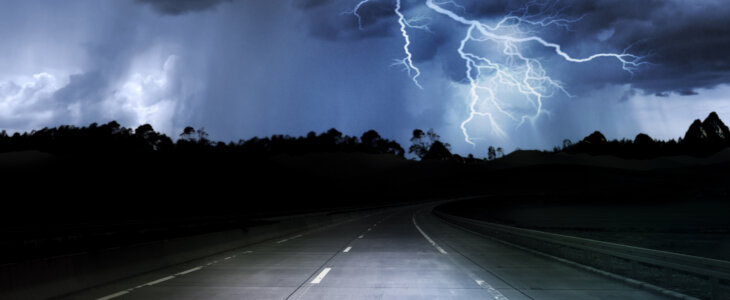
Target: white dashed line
{"x":160,"y":280}
{"x":347,"y":249}
{"x":189,"y":271}
{"x":127,"y":291}
{"x":321,"y":276}
{"x":359,"y":237}
{"x":370,"y":229}
{"x":113,"y":295}
{"x":291,"y":238}
{"x":493,"y":292}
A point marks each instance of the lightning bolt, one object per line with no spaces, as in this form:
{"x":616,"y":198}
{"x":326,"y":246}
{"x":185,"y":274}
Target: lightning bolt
{"x":513,"y":70}
{"x":406,"y":62}
{"x":357,"y":15}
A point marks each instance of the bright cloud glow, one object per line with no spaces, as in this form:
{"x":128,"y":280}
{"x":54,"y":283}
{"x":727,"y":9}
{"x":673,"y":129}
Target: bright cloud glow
{"x":148,"y":94}
{"x":26,"y":102}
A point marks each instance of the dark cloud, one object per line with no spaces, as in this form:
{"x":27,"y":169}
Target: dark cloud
{"x":307,"y":4}
{"x":179,"y":7}
{"x":334,"y":20}
{"x":688,"y":93}
{"x":686,"y":42}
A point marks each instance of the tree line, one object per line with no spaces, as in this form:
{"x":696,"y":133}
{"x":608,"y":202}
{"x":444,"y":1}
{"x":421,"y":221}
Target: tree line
{"x":114,"y":138}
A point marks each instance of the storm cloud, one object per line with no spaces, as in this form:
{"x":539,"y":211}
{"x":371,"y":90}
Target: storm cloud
{"x":178,"y":7}
{"x":685,"y":42}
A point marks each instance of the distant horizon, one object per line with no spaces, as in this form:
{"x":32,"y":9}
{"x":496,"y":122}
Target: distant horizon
{"x":178,"y":137}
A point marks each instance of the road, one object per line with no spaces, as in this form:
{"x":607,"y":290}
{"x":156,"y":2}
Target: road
{"x":400,"y":254}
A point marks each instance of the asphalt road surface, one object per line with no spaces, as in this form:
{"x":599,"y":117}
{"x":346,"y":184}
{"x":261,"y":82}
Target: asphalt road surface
{"x":400,"y":254}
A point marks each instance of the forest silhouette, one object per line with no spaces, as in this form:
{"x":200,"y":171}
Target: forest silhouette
{"x":112,"y":138}
{"x":703,"y":138}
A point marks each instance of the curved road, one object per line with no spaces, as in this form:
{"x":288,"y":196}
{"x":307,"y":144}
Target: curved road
{"x":405,"y":253}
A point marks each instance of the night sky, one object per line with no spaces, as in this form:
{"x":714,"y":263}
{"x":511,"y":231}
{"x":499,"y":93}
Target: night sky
{"x":246,"y":68}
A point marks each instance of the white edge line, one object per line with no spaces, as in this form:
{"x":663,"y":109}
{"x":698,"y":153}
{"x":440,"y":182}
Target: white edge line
{"x":113,"y":295}
{"x":427,"y":237}
{"x":496,"y":295}
{"x":189,"y":271}
{"x":160,"y":280}
{"x":321,"y":276}
{"x":347,"y":249}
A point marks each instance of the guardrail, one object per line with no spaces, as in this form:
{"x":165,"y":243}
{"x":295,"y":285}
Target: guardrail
{"x":690,"y":275}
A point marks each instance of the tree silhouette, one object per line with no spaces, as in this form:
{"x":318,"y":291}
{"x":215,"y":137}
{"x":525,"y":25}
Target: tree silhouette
{"x":491,"y":153}
{"x":438,"y":151}
{"x":112,"y":138}
{"x":188,"y":133}
{"x":567,"y":143}
{"x":422,"y":142}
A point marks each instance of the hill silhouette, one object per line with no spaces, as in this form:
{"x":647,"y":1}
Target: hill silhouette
{"x":702,"y":139}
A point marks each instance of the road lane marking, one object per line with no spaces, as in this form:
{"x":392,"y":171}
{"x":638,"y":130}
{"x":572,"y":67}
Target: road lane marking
{"x":321,"y":276}
{"x":347,"y":249}
{"x":492,"y":291}
{"x":113,"y":295}
{"x":160,"y":280}
{"x":427,"y":237}
{"x":288,"y":239}
{"x":359,"y":237}
{"x":316,"y":280}
{"x":189,"y":271}
{"x":370,"y":229}
{"x":496,"y":295}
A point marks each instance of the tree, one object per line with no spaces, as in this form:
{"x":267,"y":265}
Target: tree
{"x":500,"y":152}
{"x":567,"y":143}
{"x":491,"y":153}
{"x":369,"y":139}
{"x":437,"y":151}
{"x":202,"y":136}
{"x":187,"y":133}
{"x":422,"y":142}
{"x":419,"y":147}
